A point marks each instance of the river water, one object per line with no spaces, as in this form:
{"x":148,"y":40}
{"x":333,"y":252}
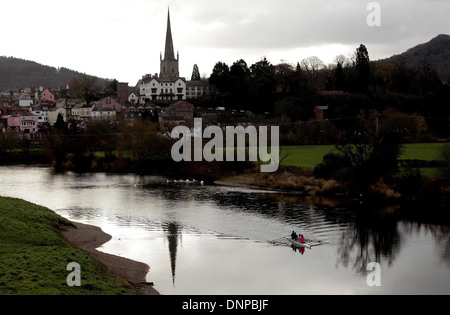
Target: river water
{"x":214,"y":240}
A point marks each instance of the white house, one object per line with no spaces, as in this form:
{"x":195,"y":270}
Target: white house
{"x":103,"y":113}
{"x":133,"y":98}
{"x":42,"y":113}
{"x":25,"y":100}
{"x":154,"y":88}
{"x":82,"y":112}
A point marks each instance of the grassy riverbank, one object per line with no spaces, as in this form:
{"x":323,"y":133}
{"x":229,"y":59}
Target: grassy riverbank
{"x":310,"y":156}
{"x":300,"y":180}
{"x":34,"y":255}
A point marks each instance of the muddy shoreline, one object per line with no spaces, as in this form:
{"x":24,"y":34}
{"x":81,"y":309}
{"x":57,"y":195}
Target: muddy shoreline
{"x":88,"y":238}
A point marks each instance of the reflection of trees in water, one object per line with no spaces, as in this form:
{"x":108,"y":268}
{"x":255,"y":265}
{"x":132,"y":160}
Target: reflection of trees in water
{"x":440,"y":233}
{"x":172,"y":194}
{"x":370,"y":238}
{"x":370,"y":235}
{"x":284,"y":206}
{"x":442,"y":237}
{"x":295,"y":210}
{"x":374,"y":236}
{"x":287,"y":207}
{"x":173,"y":234}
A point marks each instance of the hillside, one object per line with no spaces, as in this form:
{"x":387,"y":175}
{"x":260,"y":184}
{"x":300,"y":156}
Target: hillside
{"x":18,"y":73}
{"x":436,"y":51}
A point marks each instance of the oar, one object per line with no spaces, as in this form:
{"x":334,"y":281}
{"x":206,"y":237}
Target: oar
{"x":278,"y":240}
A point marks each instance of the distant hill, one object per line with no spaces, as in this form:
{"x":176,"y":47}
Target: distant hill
{"x":18,"y":74}
{"x":436,"y":51}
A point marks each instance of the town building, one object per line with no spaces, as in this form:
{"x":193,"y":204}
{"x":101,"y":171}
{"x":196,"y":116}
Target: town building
{"x":135,"y":111}
{"x":123,"y":91}
{"x":154,"y":88}
{"x":168,"y":85}
{"x":169,"y":66}
{"x":28,"y":124}
{"x":108,"y":102}
{"x":321,"y":112}
{"x":47,"y":97}
{"x":179,"y":113}
{"x":54,"y":112}
{"x":103,"y":113}
{"x":133,"y":98}
{"x":195,"y":89}
{"x":41,"y":112}
{"x":25,"y":100}
{"x":82,"y":112}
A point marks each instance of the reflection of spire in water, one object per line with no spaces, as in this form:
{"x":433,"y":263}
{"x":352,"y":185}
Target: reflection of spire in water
{"x":172,"y":231}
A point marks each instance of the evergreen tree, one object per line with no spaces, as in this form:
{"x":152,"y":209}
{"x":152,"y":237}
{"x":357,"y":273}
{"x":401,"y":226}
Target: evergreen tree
{"x":339,"y":73}
{"x":60,"y":125}
{"x":263,"y":84}
{"x":362,"y":68}
{"x":195,"y":74}
{"x":240,"y":84}
{"x":220,"y":77}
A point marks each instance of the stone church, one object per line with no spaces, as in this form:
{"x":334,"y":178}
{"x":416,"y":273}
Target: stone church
{"x":168,"y":85}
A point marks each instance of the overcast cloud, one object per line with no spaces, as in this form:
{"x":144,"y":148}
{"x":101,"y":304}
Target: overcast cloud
{"x":123,"y":39}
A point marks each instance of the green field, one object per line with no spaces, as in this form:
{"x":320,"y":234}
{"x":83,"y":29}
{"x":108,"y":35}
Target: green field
{"x":310,"y":156}
{"x":34,"y":255}
{"x":305,"y":156}
{"x":422,"y":151}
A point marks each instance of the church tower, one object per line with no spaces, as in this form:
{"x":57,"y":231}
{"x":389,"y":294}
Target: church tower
{"x":169,"y":65}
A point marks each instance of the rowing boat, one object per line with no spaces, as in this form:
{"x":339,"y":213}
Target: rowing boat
{"x":308,"y":244}
{"x":298,"y":244}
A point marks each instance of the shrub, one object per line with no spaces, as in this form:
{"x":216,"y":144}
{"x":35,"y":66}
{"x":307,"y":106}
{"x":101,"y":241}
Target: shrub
{"x":334,"y":166}
{"x":444,"y":170}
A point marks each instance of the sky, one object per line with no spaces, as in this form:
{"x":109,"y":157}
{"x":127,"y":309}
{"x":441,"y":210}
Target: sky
{"x":123,"y":39}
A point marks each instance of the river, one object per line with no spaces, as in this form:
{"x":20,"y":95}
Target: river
{"x":217,"y":240}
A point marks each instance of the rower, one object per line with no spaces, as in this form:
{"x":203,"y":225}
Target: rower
{"x":302,"y":239}
{"x":294,"y":235}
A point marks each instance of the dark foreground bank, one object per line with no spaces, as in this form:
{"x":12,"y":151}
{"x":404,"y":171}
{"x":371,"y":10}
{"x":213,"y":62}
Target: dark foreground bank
{"x":37,"y":246}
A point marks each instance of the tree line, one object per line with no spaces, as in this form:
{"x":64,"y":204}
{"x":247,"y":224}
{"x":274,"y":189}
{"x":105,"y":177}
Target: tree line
{"x":291,"y":92}
{"x":18,"y":73}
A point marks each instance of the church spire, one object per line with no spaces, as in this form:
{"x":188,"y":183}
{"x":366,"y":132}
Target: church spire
{"x":169,"y":53}
{"x":169,"y":65}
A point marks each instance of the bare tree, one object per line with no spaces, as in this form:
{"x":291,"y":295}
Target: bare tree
{"x":84,"y":86}
{"x":284,"y":74}
{"x":143,"y":140}
{"x":342,"y":60}
{"x":311,"y":67}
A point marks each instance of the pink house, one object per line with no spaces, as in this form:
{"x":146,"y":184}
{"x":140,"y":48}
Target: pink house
{"x":47,"y":97}
{"x":109,"y":102}
{"x":27,"y":124}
